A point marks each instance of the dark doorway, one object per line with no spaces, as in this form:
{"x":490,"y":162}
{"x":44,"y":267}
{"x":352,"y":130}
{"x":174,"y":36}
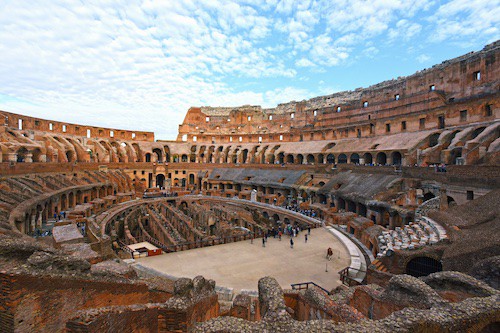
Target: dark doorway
{"x":423,"y":266}
{"x":160,"y":180}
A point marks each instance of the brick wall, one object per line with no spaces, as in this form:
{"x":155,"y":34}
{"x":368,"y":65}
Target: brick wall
{"x":136,"y":318}
{"x":45,"y":303}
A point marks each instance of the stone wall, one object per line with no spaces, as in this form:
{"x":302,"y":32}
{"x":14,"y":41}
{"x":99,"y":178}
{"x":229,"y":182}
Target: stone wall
{"x":38,"y":124}
{"x":45,"y":303}
{"x":133,"y":318}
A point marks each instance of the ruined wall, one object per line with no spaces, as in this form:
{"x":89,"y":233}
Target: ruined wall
{"x":44,"y":303}
{"x":465,"y":83}
{"x":37,"y":124}
{"x":134,"y":318}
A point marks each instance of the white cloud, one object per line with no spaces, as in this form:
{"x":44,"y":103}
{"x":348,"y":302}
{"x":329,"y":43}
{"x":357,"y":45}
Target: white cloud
{"x":303,"y":62}
{"x":463,"y":20}
{"x":140,"y":65}
{"x":423,"y":58}
{"x":404,"y":30}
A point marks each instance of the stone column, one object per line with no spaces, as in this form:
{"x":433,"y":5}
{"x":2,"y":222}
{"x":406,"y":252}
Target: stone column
{"x":28,"y":158}
{"x":12,"y":157}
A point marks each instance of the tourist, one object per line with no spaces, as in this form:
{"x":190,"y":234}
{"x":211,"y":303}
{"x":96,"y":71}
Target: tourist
{"x":263,"y":242}
{"x":279,"y":235}
{"x":291,"y":243}
{"x":308,"y":230}
{"x":306,"y":237}
{"x":329,"y":253}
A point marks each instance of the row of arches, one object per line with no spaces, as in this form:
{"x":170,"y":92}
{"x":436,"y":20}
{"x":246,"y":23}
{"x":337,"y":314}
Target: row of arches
{"x":243,"y":156}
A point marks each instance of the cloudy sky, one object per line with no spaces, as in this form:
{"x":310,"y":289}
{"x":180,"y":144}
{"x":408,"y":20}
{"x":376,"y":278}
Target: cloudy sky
{"x":141,"y":64}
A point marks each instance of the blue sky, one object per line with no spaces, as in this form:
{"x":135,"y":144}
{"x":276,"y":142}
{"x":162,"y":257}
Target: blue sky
{"x":141,"y":64}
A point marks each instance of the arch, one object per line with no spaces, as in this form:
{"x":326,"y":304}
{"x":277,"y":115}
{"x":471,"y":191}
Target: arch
{"x":37,"y":155}
{"x":434,"y":139}
{"x":184,"y":158}
{"x":322,"y":199}
{"x":159,"y":155}
{"x":21,"y":154}
{"x":160,"y":180}
{"x":451,"y":201}
{"x":354,"y":158}
{"x":70,"y":156}
{"x":281,"y":158}
{"x":166,"y":149}
{"x":289,"y":158}
{"x":381,"y":158}
{"x":64,"y":201}
{"x":428,"y":196}
{"x":368,"y":158}
{"x":330,"y":159}
{"x":310,"y":159}
{"x":455,"y":154}
{"x":71,"y":199}
{"x":191,"y":179}
{"x":342,"y":159}
{"x":300,"y":159}
{"x":137,"y":150}
{"x":423,"y":266}
{"x":148,"y":157}
{"x":244,"y":155}
{"x":397,"y":158}
{"x":234,"y":158}
{"x":118,"y":149}
{"x":477,"y":131}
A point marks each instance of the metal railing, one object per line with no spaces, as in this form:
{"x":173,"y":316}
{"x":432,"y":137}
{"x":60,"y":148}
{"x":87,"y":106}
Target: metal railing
{"x":305,"y":285}
{"x":198,"y":244}
{"x":346,"y":279}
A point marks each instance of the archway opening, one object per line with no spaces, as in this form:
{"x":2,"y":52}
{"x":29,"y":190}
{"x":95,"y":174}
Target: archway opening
{"x":70,"y":156}
{"x":160,"y":180}
{"x":396,"y":158}
{"x":428,"y":196}
{"x":355,"y":158}
{"x":423,"y":266}
{"x":21,"y":154}
{"x":368,"y":158}
{"x":381,"y":158}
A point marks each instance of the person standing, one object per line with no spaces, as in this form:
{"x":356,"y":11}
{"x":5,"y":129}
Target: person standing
{"x":329,"y":253}
{"x":291,"y":243}
{"x":306,"y":237}
{"x":263,"y":242}
{"x":308,"y":230}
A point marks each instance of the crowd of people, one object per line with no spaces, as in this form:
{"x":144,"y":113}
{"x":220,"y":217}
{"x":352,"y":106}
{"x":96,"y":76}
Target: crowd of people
{"x":295,"y":207}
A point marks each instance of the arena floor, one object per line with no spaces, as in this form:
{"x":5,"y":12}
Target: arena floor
{"x":240,"y":265}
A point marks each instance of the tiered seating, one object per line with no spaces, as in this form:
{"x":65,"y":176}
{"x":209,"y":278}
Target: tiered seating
{"x":414,"y":235}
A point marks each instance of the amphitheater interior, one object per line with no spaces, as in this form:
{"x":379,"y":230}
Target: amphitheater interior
{"x":405,"y":173}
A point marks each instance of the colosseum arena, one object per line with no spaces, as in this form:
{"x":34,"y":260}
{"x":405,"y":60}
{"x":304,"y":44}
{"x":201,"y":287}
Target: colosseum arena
{"x":373,"y":210}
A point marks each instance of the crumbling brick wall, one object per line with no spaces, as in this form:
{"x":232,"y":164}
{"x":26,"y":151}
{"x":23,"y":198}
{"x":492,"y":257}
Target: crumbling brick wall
{"x":44,"y":303}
